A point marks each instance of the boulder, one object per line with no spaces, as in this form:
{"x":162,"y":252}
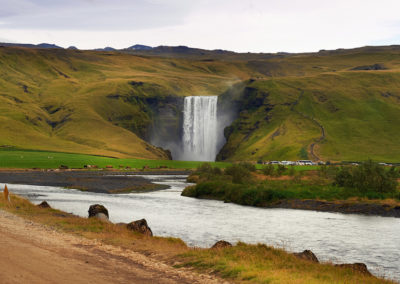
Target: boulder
{"x":356,"y":267}
{"x":44,"y":204}
{"x":140,"y":226}
{"x":307,"y":255}
{"x":102,"y":217}
{"x":221,"y":244}
{"x":96,"y":209}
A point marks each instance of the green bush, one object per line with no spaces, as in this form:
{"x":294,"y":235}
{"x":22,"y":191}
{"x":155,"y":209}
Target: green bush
{"x":280,"y":170}
{"x":239,"y":173}
{"x":250,"y":167}
{"x":268,"y":170}
{"x":367,"y":177}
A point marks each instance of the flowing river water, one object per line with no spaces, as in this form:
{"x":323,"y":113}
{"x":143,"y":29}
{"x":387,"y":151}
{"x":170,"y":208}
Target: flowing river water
{"x":334,"y":237}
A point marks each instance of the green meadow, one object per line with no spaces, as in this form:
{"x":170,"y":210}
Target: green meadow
{"x":27,"y":159}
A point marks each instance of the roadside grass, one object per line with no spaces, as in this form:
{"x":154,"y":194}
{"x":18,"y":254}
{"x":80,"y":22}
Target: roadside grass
{"x":26,"y":159}
{"x":264,"y":264}
{"x":241,"y":263}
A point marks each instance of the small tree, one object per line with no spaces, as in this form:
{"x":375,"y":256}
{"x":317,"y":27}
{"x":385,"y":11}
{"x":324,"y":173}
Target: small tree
{"x":292,"y":171}
{"x":239,"y":173}
{"x":368,"y":176}
{"x":268,"y":170}
{"x":280,"y":170}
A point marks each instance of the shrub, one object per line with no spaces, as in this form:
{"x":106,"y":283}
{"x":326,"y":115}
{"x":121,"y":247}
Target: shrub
{"x":239,"y":173}
{"x":204,"y":168}
{"x":268,"y":170}
{"x":368,"y":176}
{"x":292,"y":171}
{"x":280,"y":170}
{"x":248,"y":166}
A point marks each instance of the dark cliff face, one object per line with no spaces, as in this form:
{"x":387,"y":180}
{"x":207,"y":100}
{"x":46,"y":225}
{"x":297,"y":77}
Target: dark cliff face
{"x":165,"y":129}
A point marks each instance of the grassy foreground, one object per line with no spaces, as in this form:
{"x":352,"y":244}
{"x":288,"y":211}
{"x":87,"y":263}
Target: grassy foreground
{"x":242,"y":263}
{"x":26,"y":159}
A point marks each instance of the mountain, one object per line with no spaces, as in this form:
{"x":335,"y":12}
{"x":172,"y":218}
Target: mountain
{"x":28,"y":45}
{"x":139,"y":47}
{"x":330,"y":105}
{"x":105,"y":49}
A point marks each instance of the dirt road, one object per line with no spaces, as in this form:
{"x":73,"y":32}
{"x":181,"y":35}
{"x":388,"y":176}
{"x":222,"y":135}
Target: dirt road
{"x":33,"y":253}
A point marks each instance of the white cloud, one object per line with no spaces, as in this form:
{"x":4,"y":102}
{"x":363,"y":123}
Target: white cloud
{"x":254,"y":25}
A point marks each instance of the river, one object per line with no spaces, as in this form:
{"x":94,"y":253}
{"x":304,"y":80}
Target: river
{"x":334,"y":237}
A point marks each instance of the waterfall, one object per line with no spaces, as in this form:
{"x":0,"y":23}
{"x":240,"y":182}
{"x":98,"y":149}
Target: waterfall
{"x":199,"y":140}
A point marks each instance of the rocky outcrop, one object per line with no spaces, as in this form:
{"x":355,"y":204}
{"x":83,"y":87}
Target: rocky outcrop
{"x":307,"y":255}
{"x":370,"y":67}
{"x":221,"y":244}
{"x":140,"y":226}
{"x":356,"y":267}
{"x":96,"y":209}
{"x":44,"y":204}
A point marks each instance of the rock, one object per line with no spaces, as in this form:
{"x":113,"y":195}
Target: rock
{"x":140,"y":226}
{"x":356,"y":267}
{"x":97,"y":208}
{"x":371,"y":67}
{"x":102,"y":217}
{"x":307,"y":255}
{"x":221,"y":244}
{"x":44,"y":204}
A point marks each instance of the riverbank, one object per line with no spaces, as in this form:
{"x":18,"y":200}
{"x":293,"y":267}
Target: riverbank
{"x":368,"y":189}
{"x":383,"y":208}
{"x":86,"y":180}
{"x":364,"y":206}
{"x":240,"y":263}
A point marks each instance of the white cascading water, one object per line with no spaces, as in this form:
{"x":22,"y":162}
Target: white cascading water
{"x":200,"y":128}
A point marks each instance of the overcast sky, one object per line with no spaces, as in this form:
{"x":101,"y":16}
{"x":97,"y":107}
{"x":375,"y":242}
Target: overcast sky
{"x":238,"y":25}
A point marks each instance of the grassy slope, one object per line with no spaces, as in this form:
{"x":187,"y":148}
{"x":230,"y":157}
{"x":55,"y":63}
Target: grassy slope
{"x":359,"y":110}
{"x":59,"y":100}
{"x":240,"y":264}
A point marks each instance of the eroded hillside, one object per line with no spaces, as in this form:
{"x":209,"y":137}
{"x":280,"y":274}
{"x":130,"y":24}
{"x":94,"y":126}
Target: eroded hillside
{"x":331,"y":105}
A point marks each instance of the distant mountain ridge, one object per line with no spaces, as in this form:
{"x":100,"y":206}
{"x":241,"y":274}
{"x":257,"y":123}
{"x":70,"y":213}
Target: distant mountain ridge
{"x":29,"y":45}
{"x":185,"y":51}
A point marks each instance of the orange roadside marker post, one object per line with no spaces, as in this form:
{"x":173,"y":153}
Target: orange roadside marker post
{"x":6,"y":193}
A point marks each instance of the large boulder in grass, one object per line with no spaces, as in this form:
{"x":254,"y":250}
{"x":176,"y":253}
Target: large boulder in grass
{"x":221,"y":244}
{"x":140,"y":226}
{"x":44,"y":204}
{"x":307,"y":255}
{"x":96,"y":209}
{"x":356,"y":267}
{"x":102,"y":217}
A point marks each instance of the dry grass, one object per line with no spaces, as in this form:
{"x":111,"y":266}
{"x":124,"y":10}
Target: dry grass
{"x":242,"y":263}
